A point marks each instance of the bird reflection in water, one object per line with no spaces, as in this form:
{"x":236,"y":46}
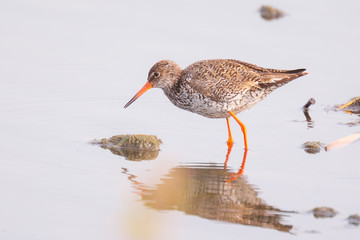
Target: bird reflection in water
{"x":211,"y":191}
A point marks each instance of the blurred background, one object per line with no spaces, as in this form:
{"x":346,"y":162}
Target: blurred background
{"x":67,"y":68}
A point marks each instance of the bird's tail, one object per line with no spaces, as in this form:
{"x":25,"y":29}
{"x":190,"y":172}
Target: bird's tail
{"x":298,"y":72}
{"x":280,"y":77}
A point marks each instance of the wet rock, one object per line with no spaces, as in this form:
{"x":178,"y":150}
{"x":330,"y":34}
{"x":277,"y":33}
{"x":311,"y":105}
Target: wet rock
{"x":312,"y":147}
{"x":136,"y":141}
{"x":324,"y":212}
{"x":270,"y":13}
{"x":354,"y":219}
{"x":353,"y":106}
{"x":133,"y":147}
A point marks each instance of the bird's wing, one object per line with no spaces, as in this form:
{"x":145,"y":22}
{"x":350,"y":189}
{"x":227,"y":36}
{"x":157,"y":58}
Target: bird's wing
{"x":221,"y":80}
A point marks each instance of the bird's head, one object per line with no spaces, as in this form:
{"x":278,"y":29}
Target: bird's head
{"x":164,"y":74}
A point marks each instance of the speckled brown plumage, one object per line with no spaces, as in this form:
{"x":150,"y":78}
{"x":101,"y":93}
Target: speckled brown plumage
{"x":212,"y":88}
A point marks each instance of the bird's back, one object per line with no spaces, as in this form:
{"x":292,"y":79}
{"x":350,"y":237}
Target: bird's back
{"x":222,"y":80}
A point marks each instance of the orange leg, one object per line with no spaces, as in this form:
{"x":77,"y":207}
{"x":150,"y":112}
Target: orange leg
{"x":230,"y":140}
{"x":243,"y":128}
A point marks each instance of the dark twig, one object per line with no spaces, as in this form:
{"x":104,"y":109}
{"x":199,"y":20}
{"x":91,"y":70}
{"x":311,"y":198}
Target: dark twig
{"x":309,"y":103}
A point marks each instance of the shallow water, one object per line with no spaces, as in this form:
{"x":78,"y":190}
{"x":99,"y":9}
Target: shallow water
{"x":67,"y":68}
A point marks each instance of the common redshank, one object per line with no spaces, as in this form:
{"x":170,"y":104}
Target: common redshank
{"x":217,"y":88}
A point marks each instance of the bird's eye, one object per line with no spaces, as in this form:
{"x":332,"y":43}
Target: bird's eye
{"x":156,"y":74}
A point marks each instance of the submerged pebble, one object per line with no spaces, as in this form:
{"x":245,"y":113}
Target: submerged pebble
{"x":324,"y":212}
{"x":354,"y":219}
{"x":134,"y":147}
{"x":312,"y":147}
{"x":270,"y":13}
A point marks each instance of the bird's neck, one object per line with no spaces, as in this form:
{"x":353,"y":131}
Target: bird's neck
{"x":173,"y":90}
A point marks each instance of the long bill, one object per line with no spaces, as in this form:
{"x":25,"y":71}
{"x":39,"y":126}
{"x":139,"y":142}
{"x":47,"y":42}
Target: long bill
{"x":146,"y":87}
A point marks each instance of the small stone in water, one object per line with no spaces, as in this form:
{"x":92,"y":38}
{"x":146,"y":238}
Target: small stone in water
{"x":312,"y":147}
{"x":324,"y":212}
{"x":270,"y":13}
{"x":354,"y":219}
{"x":134,"y":147}
{"x":137,"y":141}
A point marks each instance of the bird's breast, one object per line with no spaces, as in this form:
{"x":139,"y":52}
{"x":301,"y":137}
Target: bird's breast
{"x":187,"y":98}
